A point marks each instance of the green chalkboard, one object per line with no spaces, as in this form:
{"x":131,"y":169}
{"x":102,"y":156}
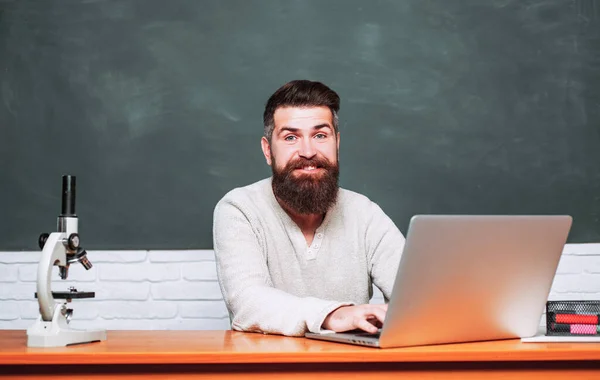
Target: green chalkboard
{"x":462,"y":107}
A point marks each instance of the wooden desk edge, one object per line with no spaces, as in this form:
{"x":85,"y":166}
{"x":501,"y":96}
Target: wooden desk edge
{"x":266,"y":358}
{"x":219,"y":347}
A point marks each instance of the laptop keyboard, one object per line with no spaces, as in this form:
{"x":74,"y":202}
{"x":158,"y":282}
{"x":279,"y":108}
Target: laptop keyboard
{"x":370,"y":335}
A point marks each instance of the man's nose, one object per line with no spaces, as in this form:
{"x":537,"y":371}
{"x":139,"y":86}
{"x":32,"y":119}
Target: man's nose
{"x":307,"y":150}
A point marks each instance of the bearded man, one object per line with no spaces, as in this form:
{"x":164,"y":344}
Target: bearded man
{"x":294,"y":252}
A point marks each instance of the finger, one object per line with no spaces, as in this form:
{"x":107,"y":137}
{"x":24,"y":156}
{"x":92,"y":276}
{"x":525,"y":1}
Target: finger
{"x":375,"y":322}
{"x":378,"y":313}
{"x":365,"y":326}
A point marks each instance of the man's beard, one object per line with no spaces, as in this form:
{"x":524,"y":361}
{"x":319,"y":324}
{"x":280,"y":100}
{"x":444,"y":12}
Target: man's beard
{"x":307,"y":193}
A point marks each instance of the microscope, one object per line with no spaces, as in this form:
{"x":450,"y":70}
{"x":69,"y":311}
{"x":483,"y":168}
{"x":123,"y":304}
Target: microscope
{"x":62,"y":249}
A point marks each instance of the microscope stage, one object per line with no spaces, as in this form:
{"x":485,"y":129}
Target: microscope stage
{"x":71,"y":295}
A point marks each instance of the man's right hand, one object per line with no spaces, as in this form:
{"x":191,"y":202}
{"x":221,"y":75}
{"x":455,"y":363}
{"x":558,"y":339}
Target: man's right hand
{"x":365,"y":317}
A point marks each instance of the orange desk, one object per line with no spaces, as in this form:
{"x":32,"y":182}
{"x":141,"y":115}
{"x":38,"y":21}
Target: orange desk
{"x":228,"y":354}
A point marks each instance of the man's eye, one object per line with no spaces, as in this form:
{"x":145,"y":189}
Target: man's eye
{"x":290,"y":138}
{"x":320,"y":135}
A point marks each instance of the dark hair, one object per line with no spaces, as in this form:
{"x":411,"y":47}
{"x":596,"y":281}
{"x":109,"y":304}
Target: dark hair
{"x":300,"y":93}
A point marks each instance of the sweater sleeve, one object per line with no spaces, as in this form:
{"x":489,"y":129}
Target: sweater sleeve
{"x":253,"y":303}
{"x":384,"y":243}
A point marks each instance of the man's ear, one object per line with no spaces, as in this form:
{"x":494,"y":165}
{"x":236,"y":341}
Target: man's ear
{"x":266,"y":148}
{"x":338,"y":141}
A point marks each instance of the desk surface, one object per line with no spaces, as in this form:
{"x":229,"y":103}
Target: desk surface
{"x":230,"y":347}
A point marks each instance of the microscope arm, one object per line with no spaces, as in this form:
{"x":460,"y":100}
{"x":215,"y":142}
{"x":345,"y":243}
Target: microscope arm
{"x":54,"y":252}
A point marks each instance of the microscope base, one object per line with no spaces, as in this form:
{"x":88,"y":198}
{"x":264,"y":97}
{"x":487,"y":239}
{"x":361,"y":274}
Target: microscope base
{"x":57,"y":333}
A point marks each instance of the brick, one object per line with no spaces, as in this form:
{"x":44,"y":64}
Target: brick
{"x":80,"y":312}
{"x":85,"y":309}
{"x":17,"y":291}
{"x":578,"y":264}
{"x":570,"y":265}
{"x":20,"y":257}
{"x":154,"y":272}
{"x":138,"y":310}
{"x":587,"y":249}
{"x":82,"y":309}
{"x":208,"y":290}
{"x":197,"y":324}
{"x":8,"y":273}
{"x":103,"y":324}
{"x":201,"y":271}
{"x":592,"y":264}
{"x":28,"y":273}
{"x":151,"y":324}
{"x":215,"y":324}
{"x":123,"y":291}
{"x":18,"y":324}
{"x":29,"y":309}
{"x":572,"y":283}
{"x":182,"y":256}
{"x":9,"y":311}
{"x":555,"y":296}
{"x":203,"y":309}
{"x":117,"y":256}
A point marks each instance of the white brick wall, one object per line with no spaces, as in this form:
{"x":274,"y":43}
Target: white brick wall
{"x":170,"y":290}
{"x":135,"y":290}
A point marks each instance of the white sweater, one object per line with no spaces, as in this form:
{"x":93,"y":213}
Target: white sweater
{"x":273,"y":282}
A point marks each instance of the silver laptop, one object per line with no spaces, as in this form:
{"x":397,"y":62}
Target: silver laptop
{"x":465,"y":278}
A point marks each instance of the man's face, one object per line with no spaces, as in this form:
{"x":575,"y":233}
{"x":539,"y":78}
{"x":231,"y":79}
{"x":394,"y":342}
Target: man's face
{"x":303,"y":155}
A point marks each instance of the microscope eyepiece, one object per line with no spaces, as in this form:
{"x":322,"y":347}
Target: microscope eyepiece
{"x":69,"y":186}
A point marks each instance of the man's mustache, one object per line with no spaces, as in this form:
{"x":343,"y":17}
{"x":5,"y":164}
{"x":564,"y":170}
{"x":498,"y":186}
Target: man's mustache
{"x":302,"y":162}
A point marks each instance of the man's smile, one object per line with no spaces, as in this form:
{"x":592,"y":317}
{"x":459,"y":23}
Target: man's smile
{"x":310,"y":169}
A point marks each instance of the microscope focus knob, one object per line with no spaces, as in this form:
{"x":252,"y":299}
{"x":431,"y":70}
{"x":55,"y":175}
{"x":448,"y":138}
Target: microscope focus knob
{"x":42,"y":240}
{"x":73,"y":241}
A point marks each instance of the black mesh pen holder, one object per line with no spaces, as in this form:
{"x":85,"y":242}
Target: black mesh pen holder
{"x":572,"y":318}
